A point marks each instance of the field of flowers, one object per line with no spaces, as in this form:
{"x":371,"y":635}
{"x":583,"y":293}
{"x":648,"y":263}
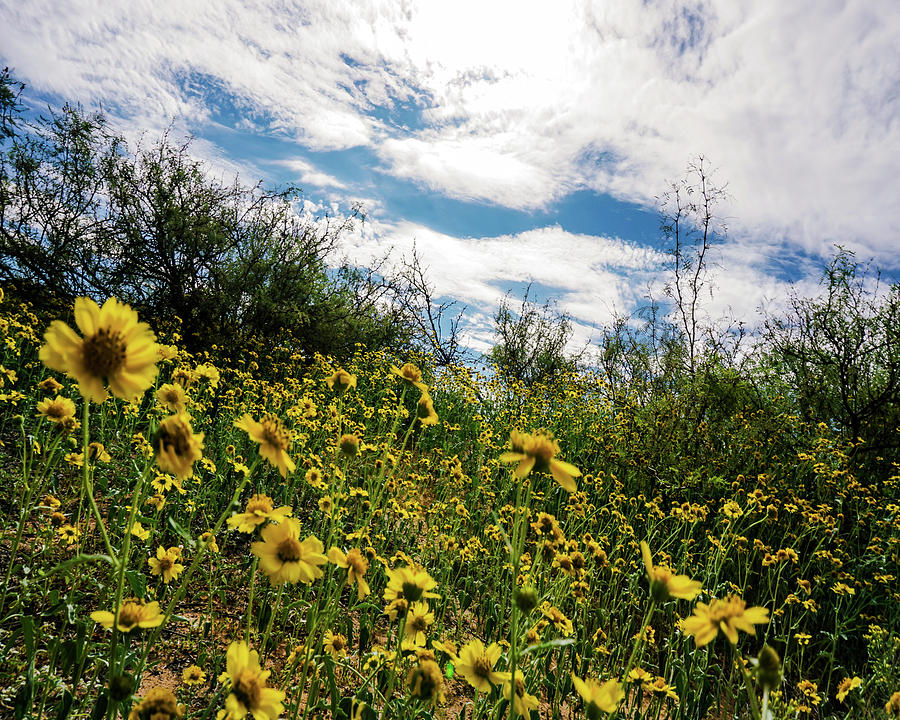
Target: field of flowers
{"x":287,"y":537}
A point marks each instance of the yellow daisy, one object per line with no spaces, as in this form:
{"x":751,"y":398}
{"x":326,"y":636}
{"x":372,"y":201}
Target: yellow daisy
{"x":57,"y":410}
{"x":538,"y":452}
{"x":426,"y":682}
{"x":418,"y":619}
{"x":476,"y":663}
{"x":411,"y":375}
{"x":132,"y":614}
{"x":259,"y":509}
{"x":177,"y":446}
{"x":334,"y":644}
{"x":284,"y":558}
{"x":116,"y":350}
{"x":249,"y":693}
{"x":193,"y":675}
{"x":523,"y":702}
{"x":158,"y":704}
{"x":274,"y":440}
{"x":664,"y":585}
{"x":341,"y":381}
{"x":728,"y":615}
{"x":172,"y":397}
{"x":356,"y":564}
{"x":410,"y":584}
{"x":598,"y":698}
{"x":425,"y":413}
{"x":166,"y":564}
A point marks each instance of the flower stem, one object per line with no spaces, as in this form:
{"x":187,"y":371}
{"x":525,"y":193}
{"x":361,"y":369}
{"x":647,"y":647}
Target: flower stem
{"x":88,"y":482}
{"x":198,"y":556}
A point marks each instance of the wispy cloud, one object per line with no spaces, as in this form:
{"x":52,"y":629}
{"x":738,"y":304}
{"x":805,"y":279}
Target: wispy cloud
{"x":518,"y":104}
{"x":307,"y":174}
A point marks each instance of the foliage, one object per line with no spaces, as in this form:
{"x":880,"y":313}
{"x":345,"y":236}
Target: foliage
{"x":753,"y":501}
{"x":532,"y":340}
{"x":839,"y":355}
{"x":81,"y":213}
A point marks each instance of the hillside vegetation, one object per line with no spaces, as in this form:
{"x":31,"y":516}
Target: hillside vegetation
{"x":271,"y":518}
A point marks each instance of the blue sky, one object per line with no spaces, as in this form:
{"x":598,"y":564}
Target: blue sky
{"x":517,"y":141}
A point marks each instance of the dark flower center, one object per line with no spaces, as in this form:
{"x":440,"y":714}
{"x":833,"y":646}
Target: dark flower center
{"x":418,"y":624}
{"x":411,"y":591}
{"x":482,"y":666}
{"x":173,"y":437}
{"x":129,"y":616}
{"x":289,"y":550}
{"x":104,"y":353}
{"x":247,"y":690}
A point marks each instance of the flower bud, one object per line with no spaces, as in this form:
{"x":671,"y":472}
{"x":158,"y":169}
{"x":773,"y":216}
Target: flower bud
{"x":769,"y":668}
{"x":526,"y":599}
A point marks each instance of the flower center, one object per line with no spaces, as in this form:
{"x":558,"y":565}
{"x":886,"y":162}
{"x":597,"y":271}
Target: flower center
{"x":56,"y":411}
{"x":418,"y":624}
{"x":358,"y":564}
{"x":129,"y":616}
{"x":411,"y":591}
{"x":482,"y":666}
{"x":175,"y":439}
{"x":289,"y":550}
{"x":273,"y":434}
{"x":247,"y":690}
{"x":104,"y":353}
{"x":259,"y":506}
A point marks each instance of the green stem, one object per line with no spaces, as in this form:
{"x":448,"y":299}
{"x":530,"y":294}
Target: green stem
{"x":198,"y":556}
{"x":748,"y":684}
{"x":639,"y":643}
{"x":250,"y":601}
{"x":275,"y":607}
{"x":518,"y":537}
{"x":123,"y":563}
{"x":87,"y":480}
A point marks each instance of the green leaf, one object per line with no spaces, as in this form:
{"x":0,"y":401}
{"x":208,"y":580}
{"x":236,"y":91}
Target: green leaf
{"x":549,"y":645}
{"x":181,"y":531}
{"x":65,"y":706}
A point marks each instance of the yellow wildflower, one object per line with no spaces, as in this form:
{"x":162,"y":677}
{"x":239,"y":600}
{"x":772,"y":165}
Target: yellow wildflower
{"x":158,"y":704}
{"x":132,"y":614}
{"x":598,"y":698}
{"x":284,"y":558}
{"x":523,"y":702}
{"x":356,"y":565}
{"x":664,"y":585}
{"x":476,"y":663}
{"x":249,"y":693}
{"x":193,"y":675}
{"x":341,"y":381}
{"x":166,"y":564}
{"x":115,"y":350}
{"x":728,"y":615}
{"x":274,"y":440}
{"x":172,"y":397}
{"x":538,"y":452}
{"x":259,"y":509}
{"x":58,"y":410}
{"x":177,"y":446}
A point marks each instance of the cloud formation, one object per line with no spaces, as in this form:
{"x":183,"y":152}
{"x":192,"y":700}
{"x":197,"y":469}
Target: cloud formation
{"x":520,"y":103}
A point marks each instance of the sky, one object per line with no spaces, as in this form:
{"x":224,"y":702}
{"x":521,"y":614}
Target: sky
{"x":518,"y":142}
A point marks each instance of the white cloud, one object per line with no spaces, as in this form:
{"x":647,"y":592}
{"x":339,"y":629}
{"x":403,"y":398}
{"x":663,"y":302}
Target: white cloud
{"x":519,"y":103}
{"x":307,"y":174}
